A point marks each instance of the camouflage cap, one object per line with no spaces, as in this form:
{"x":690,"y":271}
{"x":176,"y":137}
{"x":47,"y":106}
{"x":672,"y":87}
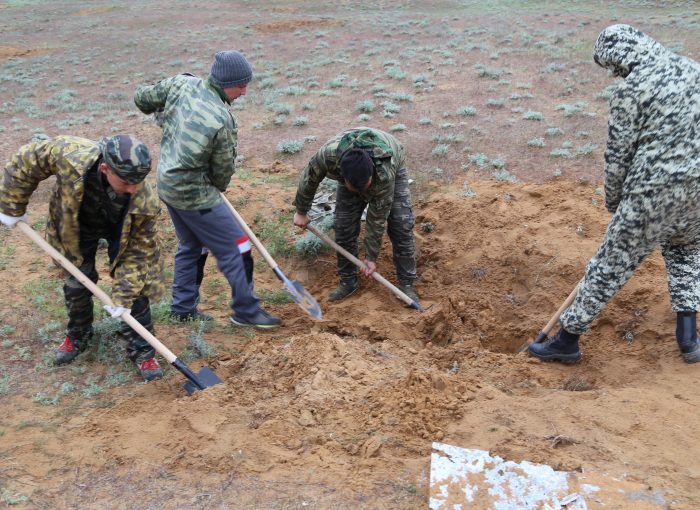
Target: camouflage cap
{"x":127,"y":157}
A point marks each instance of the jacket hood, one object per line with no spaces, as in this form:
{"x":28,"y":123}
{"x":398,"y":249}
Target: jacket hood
{"x":620,"y":48}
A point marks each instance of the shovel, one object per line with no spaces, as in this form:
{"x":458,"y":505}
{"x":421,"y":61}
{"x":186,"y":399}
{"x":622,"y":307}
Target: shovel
{"x":295,"y":290}
{"x":397,"y":292}
{"x":199,"y":381}
{"x":542,"y":335}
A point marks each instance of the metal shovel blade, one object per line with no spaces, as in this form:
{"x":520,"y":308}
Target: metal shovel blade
{"x":205,"y":378}
{"x":302,"y":297}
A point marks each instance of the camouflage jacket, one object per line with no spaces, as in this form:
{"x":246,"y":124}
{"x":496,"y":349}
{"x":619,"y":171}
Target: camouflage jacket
{"x":388,"y":156}
{"x":137,"y":268}
{"x":198,"y":147}
{"x":654,"y":122}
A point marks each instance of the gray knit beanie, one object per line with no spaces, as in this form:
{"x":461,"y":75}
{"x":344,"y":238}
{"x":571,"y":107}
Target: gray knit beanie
{"x":231,"y":69}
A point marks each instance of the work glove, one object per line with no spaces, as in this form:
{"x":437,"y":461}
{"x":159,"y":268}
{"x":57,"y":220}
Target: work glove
{"x":116,"y":311}
{"x":11,"y":221}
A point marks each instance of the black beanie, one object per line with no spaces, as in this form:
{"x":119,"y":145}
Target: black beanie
{"x":356,"y":167}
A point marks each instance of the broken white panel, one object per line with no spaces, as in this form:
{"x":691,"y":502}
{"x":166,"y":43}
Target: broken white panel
{"x":462,"y":478}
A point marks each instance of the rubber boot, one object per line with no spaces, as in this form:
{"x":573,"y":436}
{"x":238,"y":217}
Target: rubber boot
{"x":687,"y":336}
{"x":562,"y":347}
{"x":410,"y":291}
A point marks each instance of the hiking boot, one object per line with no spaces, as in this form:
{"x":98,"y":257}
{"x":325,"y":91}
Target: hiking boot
{"x":687,"y":337}
{"x":150,"y":369}
{"x":343,"y":290}
{"x":67,"y":351}
{"x":261,"y":319}
{"x":196,"y":315}
{"x":562,"y":347}
{"x":410,"y":292}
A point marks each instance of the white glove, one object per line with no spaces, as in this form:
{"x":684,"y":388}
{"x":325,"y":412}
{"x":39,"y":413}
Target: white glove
{"x":11,"y":221}
{"x":116,"y":311}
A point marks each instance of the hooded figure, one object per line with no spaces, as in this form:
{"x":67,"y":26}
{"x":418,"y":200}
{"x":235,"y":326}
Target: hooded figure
{"x":652,"y":187}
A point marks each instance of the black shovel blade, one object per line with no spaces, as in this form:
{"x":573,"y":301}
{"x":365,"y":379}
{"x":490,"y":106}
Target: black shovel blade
{"x":205,"y":379}
{"x":302,"y":297}
{"x":199,"y":381}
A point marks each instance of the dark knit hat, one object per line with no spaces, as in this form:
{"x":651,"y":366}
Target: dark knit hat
{"x":127,"y":157}
{"x":356,"y":167}
{"x":231,"y":69}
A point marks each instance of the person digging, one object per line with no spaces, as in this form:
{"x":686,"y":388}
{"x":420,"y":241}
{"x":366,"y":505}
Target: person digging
{"x":652,"y":188}
{"x":99,"y":194}
{"x":370,"y":167}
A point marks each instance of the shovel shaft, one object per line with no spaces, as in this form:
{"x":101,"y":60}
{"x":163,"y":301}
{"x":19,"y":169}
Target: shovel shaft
{"x":99,"y":293}
{"x":345,"y":253}
{"x":555,"y":318}
{"x":251,"y":235}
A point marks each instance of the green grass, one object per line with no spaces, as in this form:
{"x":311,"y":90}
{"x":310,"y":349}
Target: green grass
{"x":274,"y":297}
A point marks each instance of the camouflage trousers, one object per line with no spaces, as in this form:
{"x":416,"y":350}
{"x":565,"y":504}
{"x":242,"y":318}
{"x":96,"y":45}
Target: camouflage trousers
{"x":348,"y":219}
{"x":669,"y":218}
{"x":79,"y":305}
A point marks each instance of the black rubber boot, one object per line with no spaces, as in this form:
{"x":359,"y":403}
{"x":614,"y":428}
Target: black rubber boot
{"x":687,"y":336}
{"x":562,"y":347}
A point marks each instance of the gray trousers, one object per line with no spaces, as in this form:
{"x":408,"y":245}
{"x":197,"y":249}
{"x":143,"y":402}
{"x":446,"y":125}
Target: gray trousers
{"x":348,"y":218}
{"x":217,"y":229}
{"x":669,"y":218}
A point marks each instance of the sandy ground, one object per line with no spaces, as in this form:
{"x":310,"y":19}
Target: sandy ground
{"x":341,"y":413}
{"x":344,"y":410}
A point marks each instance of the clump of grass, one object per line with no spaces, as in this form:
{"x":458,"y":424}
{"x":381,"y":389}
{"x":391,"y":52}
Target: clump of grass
{"x":390,"y":107}
{"x":290,"y":146}
{"x":300,"y":121}
{"x":536,"y":142}
{"x":338,"y":81}
{"x":425,"y":121}
{"x":45,"y":400}
{"x":468,"y":111}
{"x":498,"y":163}
{"x":398,"y":127}
{"x":440,"y":150}
{"x":365,"y":106}
{"x":197,"y":342}
{"x":395,"y":72}
{"x":488,"y":72}
{"x":504,"y":175}
{"x":561,"y":152}
{"x":480,"y":160}
{"x":294,"y":90}
{"x":363,"y":117}
{"x":554,"y":131}
{"x":401,"y":96}
{"x":495,"y":103}
{"x":532,"y":115}
{"x":275,"y":297}
{"x":585,"y":150}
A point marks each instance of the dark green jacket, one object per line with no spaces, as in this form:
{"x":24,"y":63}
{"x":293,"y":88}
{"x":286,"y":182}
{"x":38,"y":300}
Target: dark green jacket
{"x":388,"y":156}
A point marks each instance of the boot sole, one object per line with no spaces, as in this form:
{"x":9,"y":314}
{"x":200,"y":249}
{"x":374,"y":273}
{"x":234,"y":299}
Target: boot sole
{"x":247,"y":325}
{"x":691,"y":357}
{"x":568,"y":359}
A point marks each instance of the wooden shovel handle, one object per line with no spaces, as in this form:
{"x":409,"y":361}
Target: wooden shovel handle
{"x":99,"y":293}
{"x":403,"y":297}
{"x":555,"y":318}
{"x":251,"y":235}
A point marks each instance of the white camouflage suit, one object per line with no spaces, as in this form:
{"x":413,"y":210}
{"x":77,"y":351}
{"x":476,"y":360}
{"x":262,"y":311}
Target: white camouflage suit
{"x":652,"y":174}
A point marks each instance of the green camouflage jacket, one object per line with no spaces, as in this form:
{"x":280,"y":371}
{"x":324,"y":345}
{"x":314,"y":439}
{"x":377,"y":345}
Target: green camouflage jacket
{"x":198,"y":148}
{"x":388,"y":156}
{"x":137,"y":268}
